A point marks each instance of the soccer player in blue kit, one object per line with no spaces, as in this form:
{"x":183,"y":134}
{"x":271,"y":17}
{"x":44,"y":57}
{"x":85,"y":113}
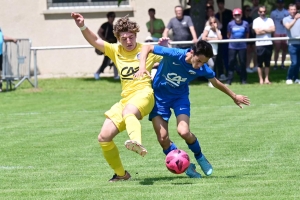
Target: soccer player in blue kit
{"x":171,"y":90}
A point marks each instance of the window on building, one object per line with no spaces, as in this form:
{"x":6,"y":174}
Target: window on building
{"x":84,"y":3}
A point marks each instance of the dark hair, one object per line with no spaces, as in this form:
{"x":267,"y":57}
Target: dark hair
{"x":221,"y":1}
{"x":203,"y":48}
{"x":151,"y":10}
{"x":210,"y":7}
{"x":110,"y":14}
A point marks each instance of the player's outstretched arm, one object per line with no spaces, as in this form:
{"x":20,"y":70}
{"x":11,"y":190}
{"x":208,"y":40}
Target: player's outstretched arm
{"x":87,"y":33}
{"x":146,"y":49}
{"x":238,"y":99}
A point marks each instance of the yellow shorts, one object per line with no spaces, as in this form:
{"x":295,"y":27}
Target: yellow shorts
{"x":142,"y":99}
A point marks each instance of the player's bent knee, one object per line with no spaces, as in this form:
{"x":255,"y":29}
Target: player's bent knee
{"x":184,"y":133}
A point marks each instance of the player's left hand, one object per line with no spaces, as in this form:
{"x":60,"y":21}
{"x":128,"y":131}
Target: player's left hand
{"x":164,"y":41}
{"x":140,"y":73}
{"x":241,"y":99}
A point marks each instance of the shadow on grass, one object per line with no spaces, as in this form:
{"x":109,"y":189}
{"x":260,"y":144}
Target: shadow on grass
{"x":107,"y":79}
{"x":151,"y":181}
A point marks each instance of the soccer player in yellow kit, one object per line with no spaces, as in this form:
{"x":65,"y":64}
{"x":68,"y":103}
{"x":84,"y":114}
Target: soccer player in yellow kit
{"x":137,"y":94}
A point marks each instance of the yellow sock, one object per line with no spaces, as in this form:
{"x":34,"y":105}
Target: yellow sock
{"x":133,"y":127}
{"x":111,"y":154}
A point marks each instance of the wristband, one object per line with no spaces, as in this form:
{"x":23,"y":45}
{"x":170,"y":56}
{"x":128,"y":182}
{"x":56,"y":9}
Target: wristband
{"x":83,"y":28}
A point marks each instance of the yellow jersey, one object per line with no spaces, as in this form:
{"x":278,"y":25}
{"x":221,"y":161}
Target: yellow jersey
{"x":127,"y":63}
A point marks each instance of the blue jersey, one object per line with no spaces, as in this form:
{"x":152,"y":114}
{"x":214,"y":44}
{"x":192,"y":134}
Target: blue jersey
{"x":174,"y":74}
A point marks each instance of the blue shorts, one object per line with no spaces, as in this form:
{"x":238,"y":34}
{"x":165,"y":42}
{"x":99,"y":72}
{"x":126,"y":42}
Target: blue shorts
{"x":162,"y":107}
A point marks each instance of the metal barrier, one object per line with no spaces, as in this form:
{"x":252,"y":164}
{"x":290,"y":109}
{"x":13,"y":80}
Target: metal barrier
{"x":16,"y":62}
{"x":35,"y":49}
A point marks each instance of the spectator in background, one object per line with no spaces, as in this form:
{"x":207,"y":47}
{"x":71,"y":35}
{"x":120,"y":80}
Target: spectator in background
{"x":263,"y":27}
{"x":251,"y":49}
{"x":212,"y":32}
{"x":155,"y":26}
{"x":277,"y":15}
{"x":182,"y":28}
{"x":224,"y":16}
{"x":254,"y":10}
{"x":210,"y":12}
{"x":237,"y":29}
{"x":105,"y":32}
{"x":292,"y":24}
{"x":3,"y":38}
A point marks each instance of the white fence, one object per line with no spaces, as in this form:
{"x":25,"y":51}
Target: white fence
{"x":35,"y":49}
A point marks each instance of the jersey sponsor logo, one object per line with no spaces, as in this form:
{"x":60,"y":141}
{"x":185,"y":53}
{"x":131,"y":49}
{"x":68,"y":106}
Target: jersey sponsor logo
{"x":192,"y":72}
{"x":174,"y":79}
{"x":182,"y":108}
{"x":174,"y":63}
{"x":128,"y":72}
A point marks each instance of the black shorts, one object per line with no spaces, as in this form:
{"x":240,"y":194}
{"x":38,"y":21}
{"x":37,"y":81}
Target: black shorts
{"x":264,"y":55}
{"x":1,"y":60}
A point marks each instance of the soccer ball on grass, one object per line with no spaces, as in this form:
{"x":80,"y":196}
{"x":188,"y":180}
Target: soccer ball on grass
{"x":177,"y":161}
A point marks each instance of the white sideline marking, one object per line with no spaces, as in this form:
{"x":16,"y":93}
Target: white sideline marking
{"x":15,"y":167}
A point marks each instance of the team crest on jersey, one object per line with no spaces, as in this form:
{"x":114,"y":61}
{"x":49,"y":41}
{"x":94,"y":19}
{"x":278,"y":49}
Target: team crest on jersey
{"x":192,"y":72}
{"x":138,"y":55}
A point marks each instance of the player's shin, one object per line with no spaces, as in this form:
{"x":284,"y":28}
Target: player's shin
{"x":111,"y":155}
{"x":196,"y":149}
{"x":133,"y":127}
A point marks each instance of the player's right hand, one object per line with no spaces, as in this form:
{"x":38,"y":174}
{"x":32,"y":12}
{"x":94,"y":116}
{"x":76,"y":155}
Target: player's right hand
{"x":140,"y":73}
{"x":78,"y":19}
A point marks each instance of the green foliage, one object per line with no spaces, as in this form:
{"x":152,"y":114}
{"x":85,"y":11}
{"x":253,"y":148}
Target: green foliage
{"x":49,"y":147}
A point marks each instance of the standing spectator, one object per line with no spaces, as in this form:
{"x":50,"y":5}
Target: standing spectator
{"x":182,"y":28}
{"x":3,"y":38}
{"x":210,"y":12}
{"x":292,"y":24}
{"x":155,"y":26}
{"x":263,"y":27}
{"x":254,"y":10}
{"x":224,"y":16}
{"x":211,"y":32}
{"x":237,"y":29}
{"x":277,"y":15}
{"x":105,"y":32}
{"x":251,"y":49}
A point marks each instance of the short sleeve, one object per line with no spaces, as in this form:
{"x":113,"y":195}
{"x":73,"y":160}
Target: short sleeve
{"x":170,"y":24}
{"x":285,"y":20}
{"x":161,"y":23}
{"x":110,"y":50}
{"x":189,"y":21}
{"x":254,"y":26}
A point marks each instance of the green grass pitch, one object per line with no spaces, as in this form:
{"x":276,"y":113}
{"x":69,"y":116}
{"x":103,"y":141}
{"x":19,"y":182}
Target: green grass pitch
{"x":49,"y":148}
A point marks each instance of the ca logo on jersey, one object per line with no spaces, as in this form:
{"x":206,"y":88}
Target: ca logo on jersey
{"x":128,"y":72}
{"x":174,"y":79}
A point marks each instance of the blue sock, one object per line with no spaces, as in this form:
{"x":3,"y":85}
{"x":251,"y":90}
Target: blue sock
{"x":171,"y":148}
{"x":196,"y":149}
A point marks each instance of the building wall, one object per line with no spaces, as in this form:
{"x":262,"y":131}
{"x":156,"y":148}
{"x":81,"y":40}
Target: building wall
{"x":31,"y":19}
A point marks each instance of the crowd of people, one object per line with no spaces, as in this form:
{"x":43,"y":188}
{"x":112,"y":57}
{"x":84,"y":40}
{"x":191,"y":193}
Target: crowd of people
{"x":240,"y":23}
